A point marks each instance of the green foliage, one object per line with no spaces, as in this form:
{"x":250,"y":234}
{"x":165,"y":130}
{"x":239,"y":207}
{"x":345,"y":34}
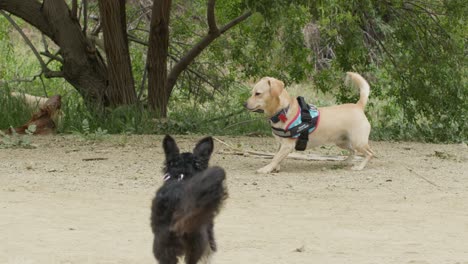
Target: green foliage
{"x":223,"y":114}
{"x":271,"y":43}
{"x":126,"y":119}
{"x":5,"y":47}
{"x":13,"y":112}
{"x":98,"y":135}
{"x":17,"y":141}
{"x":417,"y":52}
{"x":412,"y":52}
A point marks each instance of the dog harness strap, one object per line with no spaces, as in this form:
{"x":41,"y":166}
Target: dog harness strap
{"x":304,"y":110}
{"x":280,"y":116}
{"x":281,"y":132}
{"x":301,"y":143}
{"x":300,"y":128}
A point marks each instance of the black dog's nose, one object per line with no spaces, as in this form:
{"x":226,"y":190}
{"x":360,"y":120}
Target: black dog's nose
{"x":245,"y":104}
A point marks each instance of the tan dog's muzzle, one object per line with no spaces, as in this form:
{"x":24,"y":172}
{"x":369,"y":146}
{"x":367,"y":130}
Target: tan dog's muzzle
{"x":252,"y":110}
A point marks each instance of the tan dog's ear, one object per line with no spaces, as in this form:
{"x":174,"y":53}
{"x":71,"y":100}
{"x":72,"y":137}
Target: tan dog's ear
{"x":276,"y":87}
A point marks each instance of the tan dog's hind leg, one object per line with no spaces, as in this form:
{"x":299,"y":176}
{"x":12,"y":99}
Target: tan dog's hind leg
{"x":351,"y":150}
{"x":368,"y":153}
{"x":283,"y":152}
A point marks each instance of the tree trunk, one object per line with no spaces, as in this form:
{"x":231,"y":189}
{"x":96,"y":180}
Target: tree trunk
{"x":121,"y":88}
{"x":82,"y":65}
{"x":161,"y":84}
{"x":84,"y":68}
{"x":158,"y":95}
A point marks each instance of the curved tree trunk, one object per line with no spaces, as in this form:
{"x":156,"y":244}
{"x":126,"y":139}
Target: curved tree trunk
{"x":121,"y":89}
{"x":82,"y":65}
{"x":84,"y":68}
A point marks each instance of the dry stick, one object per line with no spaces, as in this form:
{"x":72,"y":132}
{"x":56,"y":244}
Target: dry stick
{"x":238,"y":123}
{"x":267,"y":155}
{"x":93,"y":159}
{"x":43,"y":86}
{"x":424,"y":178}
{"x":226,"y":116}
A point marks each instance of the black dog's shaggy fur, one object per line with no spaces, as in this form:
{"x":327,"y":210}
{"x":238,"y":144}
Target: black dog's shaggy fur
{"x":184,"y":208}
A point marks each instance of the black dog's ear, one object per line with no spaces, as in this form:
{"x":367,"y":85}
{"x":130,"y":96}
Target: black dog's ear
{"x":170,"y":146}
{"x":204,"y":148}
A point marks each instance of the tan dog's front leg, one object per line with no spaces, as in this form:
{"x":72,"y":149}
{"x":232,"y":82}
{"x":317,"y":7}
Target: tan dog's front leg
{"x":285,"y":149}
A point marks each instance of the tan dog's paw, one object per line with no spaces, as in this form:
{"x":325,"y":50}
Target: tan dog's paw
{"x":268,"y":169}
{"x":277,"y":168}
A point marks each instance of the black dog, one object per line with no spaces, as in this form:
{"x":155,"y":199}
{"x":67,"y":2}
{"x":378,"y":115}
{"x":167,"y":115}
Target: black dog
{"x":184,"y":208}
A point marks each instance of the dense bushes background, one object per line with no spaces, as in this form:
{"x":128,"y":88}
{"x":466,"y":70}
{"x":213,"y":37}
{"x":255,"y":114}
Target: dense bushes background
{"x":412,"y":52}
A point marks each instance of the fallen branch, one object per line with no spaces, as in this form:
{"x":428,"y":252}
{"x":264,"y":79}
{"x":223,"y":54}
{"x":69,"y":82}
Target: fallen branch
{"x":93,"y":159}
{"x":268,"y":155}
{"x":424,"y":178}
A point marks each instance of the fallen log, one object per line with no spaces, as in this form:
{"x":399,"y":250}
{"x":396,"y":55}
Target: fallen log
{"x":266,"y":155}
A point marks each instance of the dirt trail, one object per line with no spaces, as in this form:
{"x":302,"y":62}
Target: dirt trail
{"x":409,"y":206}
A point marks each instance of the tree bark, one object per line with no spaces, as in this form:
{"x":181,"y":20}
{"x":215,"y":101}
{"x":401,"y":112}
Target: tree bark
{"x":84,"y":68}
{"x":161,"y":84}
{"x":82,"y":65}
{"x":213,"y":33}
{"x":158,"y":95}
{"x":121,"y":90}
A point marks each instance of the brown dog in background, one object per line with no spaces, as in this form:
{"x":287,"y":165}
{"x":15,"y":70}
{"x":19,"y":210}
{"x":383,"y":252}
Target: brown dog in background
{"x":345,"y":125}
{"x":46,"y":119}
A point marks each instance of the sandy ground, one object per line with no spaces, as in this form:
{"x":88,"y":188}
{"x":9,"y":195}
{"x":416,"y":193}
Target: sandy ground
{"x":409,"y":206}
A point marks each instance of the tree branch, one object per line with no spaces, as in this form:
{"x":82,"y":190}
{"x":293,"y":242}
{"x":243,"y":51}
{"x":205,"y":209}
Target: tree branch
{"x":85,"y":16}
{"x":30,"y":11}
{"x":137,"y":40}
{"x":210,"y":15}
{"x":51,"y":56}
{"x":235,"y":21}
{"x":146,"y":9}
{"x":54,"y":74}
{"x":199,"y":47}
{"x":44,"y":42}
{"x":26,"y":39}
{"x":96,"y":29}
{"x":44,"y":86}
{"x":74,"y":10}
{"x":175,"y":59}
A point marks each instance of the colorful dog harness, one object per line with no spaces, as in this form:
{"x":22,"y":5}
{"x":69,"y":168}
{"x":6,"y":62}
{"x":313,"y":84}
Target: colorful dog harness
{"x":305,"y":122}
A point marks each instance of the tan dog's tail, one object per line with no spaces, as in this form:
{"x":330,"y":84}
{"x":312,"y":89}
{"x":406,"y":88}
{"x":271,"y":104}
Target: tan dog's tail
{"x":359,"y":81}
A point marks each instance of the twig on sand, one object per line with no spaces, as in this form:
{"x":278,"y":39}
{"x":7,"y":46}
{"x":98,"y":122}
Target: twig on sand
{"x":266,"y":155}
{"x":424,"y":178}
{"x":92,"y":159}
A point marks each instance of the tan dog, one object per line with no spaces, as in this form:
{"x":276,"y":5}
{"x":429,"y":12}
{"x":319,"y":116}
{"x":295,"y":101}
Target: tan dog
{"x":45,"y":120}
{"x":344,"y":125}
{"x":32,"y":101}
{"x":42,"y":106}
